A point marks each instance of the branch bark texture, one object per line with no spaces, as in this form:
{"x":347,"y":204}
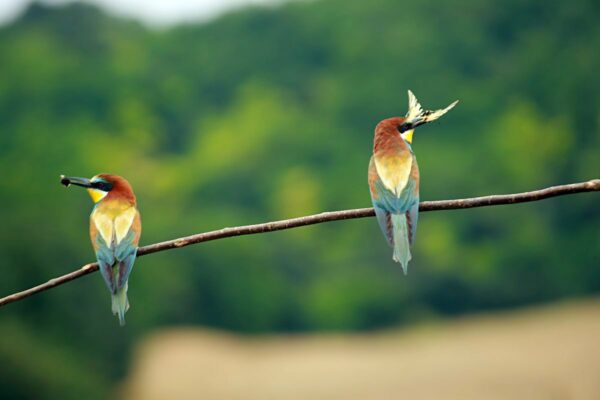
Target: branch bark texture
{"x":485,"y":201}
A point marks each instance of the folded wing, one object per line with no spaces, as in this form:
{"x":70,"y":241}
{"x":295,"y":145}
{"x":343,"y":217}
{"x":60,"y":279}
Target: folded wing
{"x":115,"y":240}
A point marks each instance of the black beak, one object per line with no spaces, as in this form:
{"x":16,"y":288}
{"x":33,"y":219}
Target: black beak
{"x":72,"y":180}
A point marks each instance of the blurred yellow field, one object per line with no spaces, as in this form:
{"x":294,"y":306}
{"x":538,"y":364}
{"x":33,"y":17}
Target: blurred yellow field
{"x":540,"y":353}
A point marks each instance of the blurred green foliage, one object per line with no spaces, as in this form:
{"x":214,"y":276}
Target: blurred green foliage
{"x":269,"y":113}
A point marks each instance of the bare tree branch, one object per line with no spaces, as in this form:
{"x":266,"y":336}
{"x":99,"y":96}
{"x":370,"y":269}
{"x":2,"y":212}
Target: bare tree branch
{"x":494,"y":200}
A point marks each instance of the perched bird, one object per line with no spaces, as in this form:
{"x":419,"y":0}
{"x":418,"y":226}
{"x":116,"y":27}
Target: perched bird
{"x":394,"y":177}
{"x":115,"y":229}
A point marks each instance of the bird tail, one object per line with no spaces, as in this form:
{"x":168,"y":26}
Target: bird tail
{"x":120,"y":304}
{"x":400,"y":232}
{"x":417,"y":116}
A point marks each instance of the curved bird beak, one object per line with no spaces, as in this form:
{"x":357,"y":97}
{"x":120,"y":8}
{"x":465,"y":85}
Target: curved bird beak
{"x":73,"y":180}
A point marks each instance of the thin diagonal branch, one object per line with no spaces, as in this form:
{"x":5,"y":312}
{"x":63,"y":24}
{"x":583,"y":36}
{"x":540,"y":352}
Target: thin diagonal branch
{"x":493,"y":200}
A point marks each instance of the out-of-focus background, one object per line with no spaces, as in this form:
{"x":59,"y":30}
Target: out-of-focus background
{"x":233,"y":116}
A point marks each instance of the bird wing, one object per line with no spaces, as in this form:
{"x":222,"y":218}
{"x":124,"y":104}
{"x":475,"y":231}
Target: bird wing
{"x":385,"y":223}
{"x":386,"y":202}
{"x":115,"y":239}
{"x":412,"y":217}
{"x":126,"y":249}
{"x":104,"y":253}
{"x":414,"y":107}
{"x":383,"y":216}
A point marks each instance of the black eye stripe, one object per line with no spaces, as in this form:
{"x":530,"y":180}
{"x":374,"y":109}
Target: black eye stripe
{"x":404,"y":127}
{"x":104,"y":186}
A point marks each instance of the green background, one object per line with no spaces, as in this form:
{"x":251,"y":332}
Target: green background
{"x":267,"y":114}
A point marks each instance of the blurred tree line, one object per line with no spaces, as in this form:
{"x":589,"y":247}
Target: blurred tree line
{"x":269,"y":113}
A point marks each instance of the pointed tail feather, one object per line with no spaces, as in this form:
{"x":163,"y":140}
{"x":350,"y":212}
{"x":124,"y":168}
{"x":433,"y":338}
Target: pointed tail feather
{"x":120,"y":304}
{"x":401,"y":240}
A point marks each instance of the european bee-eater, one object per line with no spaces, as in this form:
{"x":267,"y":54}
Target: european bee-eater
{"x":115,"y":229}
{"x":394,"y":177}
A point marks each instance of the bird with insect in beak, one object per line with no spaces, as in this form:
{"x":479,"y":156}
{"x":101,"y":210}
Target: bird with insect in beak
{"x":115,"y":229}
{"x":394,"y":177}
